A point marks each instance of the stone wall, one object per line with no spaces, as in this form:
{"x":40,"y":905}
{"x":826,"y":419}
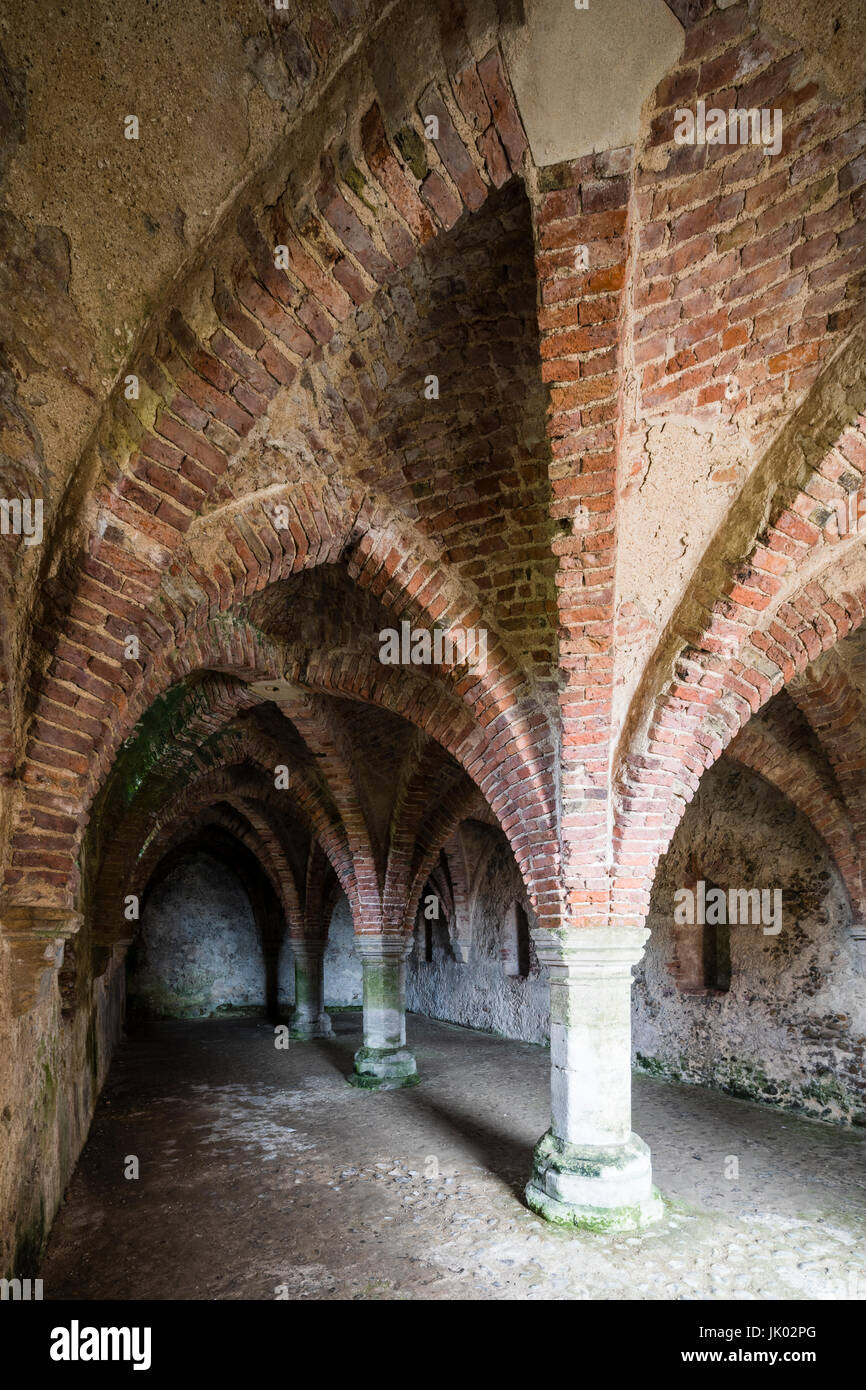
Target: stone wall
{"x":478,"y":993}
{"x":199,"y":951}
{"x":52,"y":1067}
{"x":790,"y":1030}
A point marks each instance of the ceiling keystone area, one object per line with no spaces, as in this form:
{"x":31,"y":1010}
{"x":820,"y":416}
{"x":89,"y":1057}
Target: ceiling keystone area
{"x":582,"y":76}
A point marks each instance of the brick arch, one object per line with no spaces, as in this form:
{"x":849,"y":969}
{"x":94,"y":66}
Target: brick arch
{"x":517,"y":795}
{"x":315,"y":729}
{"x":501,"y":701}
{"x":58,"y":794}
{"x":242,"y":650}
{"x":321,"y":729}
{"x":828,"y":698}
{"x":753,"y":615}
{"x":238,"y":816}
{"x":245,"y":774}
{"x":421,"y":701}
{"x":322,"y":891}
{"x":706,"y":704}
{"x":409,"y":580}
{"x":755,"y":748}
{"x":461,"y":924}
{"x":205,"y":388}
{"x":437,"y":829}
{"x":426,"y":779}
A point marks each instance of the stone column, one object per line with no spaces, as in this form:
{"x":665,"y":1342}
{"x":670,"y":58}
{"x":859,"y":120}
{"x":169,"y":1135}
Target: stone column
{"x":309,"y":1019}
{"x":384,"y":1063}
{"x":858,"y":933}
{"x":589,"y":1169}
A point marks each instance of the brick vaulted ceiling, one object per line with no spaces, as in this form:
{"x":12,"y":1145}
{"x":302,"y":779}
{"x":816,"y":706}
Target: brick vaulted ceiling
{"x":639,"y":472}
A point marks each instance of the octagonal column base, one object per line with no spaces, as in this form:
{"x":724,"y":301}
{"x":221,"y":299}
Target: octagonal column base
{"x":595,"y":1187}
{"x":384,"y":1069}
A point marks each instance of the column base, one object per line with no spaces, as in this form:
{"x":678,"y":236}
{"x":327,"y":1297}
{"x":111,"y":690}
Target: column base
{"x":384,"y":1069}
{"x":594,"y":1187}
{"x":305,"y":1029}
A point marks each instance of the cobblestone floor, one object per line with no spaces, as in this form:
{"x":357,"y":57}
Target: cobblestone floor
{"x":264,"y":1175}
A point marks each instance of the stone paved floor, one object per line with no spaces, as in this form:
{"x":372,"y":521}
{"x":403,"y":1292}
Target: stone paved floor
{"x":263,"y":1171}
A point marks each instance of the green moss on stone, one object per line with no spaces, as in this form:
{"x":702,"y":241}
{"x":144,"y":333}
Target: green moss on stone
{"x":411,"y":147}
{"x":352,"y":176}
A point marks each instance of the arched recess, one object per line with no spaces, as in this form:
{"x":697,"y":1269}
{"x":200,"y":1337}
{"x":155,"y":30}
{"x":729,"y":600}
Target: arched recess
{"x":240,"y":816}
{"x":420,"y":844}
{"x":214,"y":838}
{"x":243,"y":780}
{"x":799,"y":779}
{"x":322,"y":889}
{"x":715,"y":698}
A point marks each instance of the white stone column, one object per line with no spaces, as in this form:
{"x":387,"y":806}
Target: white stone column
{"x":590,"y":1169}
{"x":384,"y":1062}
{"x":858,"y":933}
{"x":309,"y":1019}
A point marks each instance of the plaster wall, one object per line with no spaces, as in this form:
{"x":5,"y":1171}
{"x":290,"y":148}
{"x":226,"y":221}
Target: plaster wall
{"x":790,"y":1031}
{"x":479,"y":993}
{"x":199,"y":950}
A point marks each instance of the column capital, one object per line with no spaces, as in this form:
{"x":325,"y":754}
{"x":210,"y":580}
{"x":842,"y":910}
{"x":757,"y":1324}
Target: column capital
{"x":308,"y":947}
{"x":36,"y":935}
{"x":38,"y":920}
{"x":393,"y":946}
{"x":576,"y":952}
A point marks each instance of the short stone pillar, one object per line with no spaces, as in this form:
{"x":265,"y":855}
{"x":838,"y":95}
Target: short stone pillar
{"x":384,"y":1063}
{"x":36,"y":937}
{"x":309,"y":1019}
{"x":589,"y":1169}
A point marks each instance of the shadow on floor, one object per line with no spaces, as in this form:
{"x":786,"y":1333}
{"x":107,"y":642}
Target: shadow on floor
{"x":501,"y":1153}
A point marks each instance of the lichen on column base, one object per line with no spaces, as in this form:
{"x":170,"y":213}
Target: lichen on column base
{"x":594,"y":1187}
{"x":384,"y":1069}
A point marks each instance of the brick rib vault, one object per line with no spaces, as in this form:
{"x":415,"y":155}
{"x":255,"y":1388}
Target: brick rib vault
{"x":419,"y":372}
